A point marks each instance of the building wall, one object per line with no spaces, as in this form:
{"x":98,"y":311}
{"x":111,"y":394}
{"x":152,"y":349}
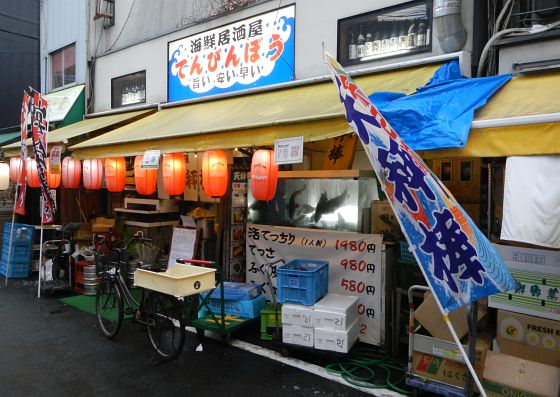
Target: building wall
{"x":316,"y":23}
{"x":19,"y":56}
{"x":64,"y":22}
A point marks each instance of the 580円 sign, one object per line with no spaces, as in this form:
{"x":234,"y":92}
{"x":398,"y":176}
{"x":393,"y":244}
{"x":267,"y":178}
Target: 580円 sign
{"x":355,"y":266}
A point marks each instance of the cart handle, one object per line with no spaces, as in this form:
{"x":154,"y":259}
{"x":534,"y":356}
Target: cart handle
{"x":195,"y":261}
{"x":56,"y":241}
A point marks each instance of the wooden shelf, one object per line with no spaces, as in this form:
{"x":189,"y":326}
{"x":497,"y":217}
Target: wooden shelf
{"x":151,"y":224}
{"x":144,"y":212}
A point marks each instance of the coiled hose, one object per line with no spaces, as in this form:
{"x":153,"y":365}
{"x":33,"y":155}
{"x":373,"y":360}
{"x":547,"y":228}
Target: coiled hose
{"x":360,"y":370}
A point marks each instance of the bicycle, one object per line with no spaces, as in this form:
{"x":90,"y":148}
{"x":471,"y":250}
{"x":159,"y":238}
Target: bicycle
{"x":162,"y":314}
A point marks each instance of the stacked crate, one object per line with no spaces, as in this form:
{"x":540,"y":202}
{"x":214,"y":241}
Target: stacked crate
{"x":16,"y":263}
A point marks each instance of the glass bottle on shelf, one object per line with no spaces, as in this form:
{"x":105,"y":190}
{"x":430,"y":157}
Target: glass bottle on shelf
{"x":403,"y":36}
{"x":385,"y":38}
{"x":394,"y":37}
{"x":421,"y":36}
{"x":361,"y":47}
{"x":352,"y":47}
{"x":411,"y":41}
{"x":428,"y":32}
{"x":369,"y":42}
{"x":377,"y":39}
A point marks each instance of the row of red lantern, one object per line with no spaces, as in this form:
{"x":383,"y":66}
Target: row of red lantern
{"x":264,"y":174}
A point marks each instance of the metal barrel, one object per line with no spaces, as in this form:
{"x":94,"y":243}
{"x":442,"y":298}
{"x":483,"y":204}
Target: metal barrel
{"x":131,"y":268}
{"x":91,"y":280}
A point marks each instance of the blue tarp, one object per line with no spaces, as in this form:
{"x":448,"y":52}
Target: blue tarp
{"x":439,"y":114}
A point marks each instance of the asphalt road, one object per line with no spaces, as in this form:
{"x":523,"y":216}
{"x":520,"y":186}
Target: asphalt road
{"x":49,"y":349}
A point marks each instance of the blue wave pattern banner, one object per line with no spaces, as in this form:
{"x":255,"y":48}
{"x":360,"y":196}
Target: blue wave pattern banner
{"x":458,"y":262}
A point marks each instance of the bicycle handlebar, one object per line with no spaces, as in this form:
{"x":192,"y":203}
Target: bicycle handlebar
{"x":195,"y":261}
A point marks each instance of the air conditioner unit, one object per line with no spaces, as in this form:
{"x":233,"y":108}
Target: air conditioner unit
{"x":545,"y":11}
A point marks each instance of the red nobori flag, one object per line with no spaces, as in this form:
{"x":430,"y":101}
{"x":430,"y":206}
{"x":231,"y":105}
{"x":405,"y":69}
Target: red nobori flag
{"x":20,"y":199}
{"x":40,"y":127}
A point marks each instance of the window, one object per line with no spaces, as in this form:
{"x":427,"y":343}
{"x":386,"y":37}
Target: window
{"x":63,"y":65}
{"x":466,"y":171}
{"x":389,"y":32}
{"x":129,"y":89}
{"x":446,"y":171}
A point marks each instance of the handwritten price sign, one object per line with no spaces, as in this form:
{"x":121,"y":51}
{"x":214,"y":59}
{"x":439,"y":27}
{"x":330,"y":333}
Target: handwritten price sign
{"x":355,"y":266}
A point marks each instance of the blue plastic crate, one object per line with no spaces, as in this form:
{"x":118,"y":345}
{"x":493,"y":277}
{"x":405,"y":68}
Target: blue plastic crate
{"x":302,"y":281}
{"x":22,"y":233}
{"x":245,"y":309}
{"x":237,"y":291}
{"x":17,"y":256}
{"x":16,"y":270}
{"x":406,"y":255}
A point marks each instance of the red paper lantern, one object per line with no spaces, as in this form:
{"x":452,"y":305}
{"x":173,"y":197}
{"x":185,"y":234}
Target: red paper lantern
{"x":53,"y":180}
{"x":115,"y":173}
{"x":15,"y":169}
{"x":93,"y":173}
{"x":173,"y":170}
{"x":214,"y":173}
{"x":145,"y":179}
{"x":71,"y":173}
{"x":32,"y":173}
{"x":4,"y":176}
{"x":264,"y":175}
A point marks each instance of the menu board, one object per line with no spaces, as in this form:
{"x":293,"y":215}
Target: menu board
{"x":183,"y":244}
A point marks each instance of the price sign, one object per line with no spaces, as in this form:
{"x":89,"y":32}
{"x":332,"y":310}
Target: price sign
{"x":288,"y":151}
{"x":355,"y":266}
{"x":54,"y":162}
{"x":150,"y":160}
{"x":183,"y":244}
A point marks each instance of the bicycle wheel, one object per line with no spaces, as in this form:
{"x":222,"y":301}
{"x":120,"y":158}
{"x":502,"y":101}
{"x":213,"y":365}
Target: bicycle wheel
{"x":166,"y":325}
{"x":109,"y":308}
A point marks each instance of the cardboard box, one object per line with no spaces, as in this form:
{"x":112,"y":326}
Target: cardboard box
{"x":336,"y":312}
{"x":537,"y":273}
{"x":511,"y":376}
{"x":337,"y":340}
{"x":528,"y":337}
{"x":293,"y":314}
{"x":429,"y":316}
{"x":298,"y":335}
{"x":102,"y":225}
{"x":441,"y":361}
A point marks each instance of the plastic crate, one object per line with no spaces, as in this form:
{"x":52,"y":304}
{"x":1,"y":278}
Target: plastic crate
{"x":23,"y":234}
{"x":303,"y":281}
{"x":268,"y":321}
{"x":17,"y":256}
{"x":237,"y":291}
{"x":406,"y":255}
{"x":244,"y":309}
{"x":16,"y":270}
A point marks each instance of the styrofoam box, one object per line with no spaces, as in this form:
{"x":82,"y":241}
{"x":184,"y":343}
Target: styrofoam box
{"x":336,"y":312}
{"x":293,"y":314}
{"x":338,"y":341}
{"x":297,"y":335}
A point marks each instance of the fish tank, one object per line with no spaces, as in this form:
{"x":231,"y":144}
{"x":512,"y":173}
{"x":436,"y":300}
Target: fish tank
{"x":310,"y":201}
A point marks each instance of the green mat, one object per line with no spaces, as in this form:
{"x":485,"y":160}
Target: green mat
{"x":86,"y":303}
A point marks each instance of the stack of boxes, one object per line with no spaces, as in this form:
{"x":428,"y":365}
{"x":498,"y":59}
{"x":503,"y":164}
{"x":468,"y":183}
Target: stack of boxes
{"x":16,"y":261}
{"x":330,"y":324}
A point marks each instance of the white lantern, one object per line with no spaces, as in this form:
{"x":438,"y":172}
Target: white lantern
{"x":4,"y":176}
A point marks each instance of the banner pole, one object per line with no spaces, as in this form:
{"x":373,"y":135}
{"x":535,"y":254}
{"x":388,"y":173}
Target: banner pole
{"x":11,"y":236}
{"x":40,"y":251}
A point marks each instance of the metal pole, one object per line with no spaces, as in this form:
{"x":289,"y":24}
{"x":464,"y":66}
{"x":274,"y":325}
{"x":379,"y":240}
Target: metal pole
{"x":40,"y":250}
{"x":11,"y":235}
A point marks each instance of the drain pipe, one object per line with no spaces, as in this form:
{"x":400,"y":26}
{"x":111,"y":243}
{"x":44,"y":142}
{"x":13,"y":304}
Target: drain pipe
{"x":449,"y":26}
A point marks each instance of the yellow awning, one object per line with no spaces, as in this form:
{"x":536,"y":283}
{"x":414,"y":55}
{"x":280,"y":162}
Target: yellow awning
{"x":312,"y":111}
{"x":514,"y":126}
{"x":98,"y":124}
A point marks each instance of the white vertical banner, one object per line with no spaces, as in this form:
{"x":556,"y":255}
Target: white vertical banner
{"x":355,"y":266}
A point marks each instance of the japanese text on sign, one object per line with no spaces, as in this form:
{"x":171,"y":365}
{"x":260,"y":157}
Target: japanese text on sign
{"x":355,"y":266}
{"x":252,"y":52}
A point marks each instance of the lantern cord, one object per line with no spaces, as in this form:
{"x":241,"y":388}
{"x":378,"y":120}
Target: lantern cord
{"x":80,"y":207}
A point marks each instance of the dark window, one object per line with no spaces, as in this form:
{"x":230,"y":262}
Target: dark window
{"x":466,"y":171}
{"x":128,"y":90}
{"x":446,"y":171}
{"x":63,"y":66}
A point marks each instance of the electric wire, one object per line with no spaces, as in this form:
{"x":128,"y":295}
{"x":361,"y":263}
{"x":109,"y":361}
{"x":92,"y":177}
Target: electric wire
{"x":362,"y":367}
